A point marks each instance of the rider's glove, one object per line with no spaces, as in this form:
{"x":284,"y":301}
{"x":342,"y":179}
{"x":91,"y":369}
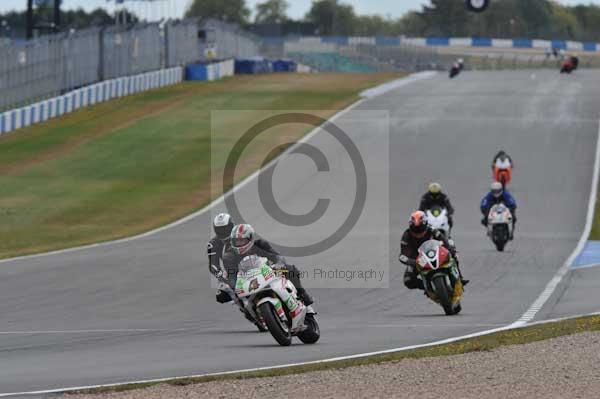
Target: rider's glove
{"x":218,"y":272}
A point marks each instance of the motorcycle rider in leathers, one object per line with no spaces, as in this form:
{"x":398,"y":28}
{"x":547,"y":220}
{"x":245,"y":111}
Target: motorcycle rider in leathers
{"x":502,"y":156}
{"x":498,"y":195}
{"x":435,"y":197}
{"x":217,"y":247}
{"x":417,"y":233}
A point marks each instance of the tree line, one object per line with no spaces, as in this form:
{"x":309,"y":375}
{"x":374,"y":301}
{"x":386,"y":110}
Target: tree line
{"x":12,"y":24}
{"x":546,"y":19}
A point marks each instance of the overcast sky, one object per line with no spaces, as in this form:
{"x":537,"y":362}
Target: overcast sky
{"x":298,"y":8}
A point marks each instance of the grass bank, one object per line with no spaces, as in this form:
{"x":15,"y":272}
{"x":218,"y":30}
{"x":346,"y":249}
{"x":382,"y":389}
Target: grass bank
{"x":133,"y":164}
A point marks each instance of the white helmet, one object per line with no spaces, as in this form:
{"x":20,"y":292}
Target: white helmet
{"x":223,"y":224}
{"x":496,"y":189}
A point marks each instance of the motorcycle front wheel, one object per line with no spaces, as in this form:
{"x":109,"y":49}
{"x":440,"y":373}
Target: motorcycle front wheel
{"x":312,"y":332}
{"x":441,"y":291}
{"x":500,"y":246}
{"x":278,"y":330}
{"x":500,"y":235}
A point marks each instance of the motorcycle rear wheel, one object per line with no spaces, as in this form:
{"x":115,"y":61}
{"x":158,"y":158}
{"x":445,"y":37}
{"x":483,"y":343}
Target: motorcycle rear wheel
{"x":281,"y":334}
{"x":503,"y":181}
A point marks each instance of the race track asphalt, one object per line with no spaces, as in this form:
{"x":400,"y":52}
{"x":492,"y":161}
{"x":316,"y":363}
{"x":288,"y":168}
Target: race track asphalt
{"x":144,"y":309}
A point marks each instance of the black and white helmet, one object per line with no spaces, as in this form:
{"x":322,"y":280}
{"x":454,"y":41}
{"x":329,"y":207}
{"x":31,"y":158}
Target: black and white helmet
{"x":223,"y":224}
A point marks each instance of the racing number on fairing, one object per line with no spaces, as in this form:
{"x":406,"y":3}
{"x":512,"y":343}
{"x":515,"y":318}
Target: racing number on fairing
{"x":253,"y":285}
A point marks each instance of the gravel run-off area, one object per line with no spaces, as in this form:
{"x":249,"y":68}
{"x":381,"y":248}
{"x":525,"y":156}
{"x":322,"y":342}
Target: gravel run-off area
{"x":564,"y":367}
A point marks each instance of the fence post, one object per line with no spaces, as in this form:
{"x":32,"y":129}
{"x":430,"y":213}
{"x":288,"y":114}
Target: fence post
{"x":168,"y":33}
{"x":101,"y":57}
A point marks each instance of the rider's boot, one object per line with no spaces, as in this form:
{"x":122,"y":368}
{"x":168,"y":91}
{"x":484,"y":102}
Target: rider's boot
{"x":462,"y":279}
{"x":223,"y":297}
{"x":512,"y":232}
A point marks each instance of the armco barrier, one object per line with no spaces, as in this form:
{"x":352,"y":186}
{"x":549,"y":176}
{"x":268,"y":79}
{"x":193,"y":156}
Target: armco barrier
{"x":481,"y":42}
{"x":89,"y":95}
{"x":522,"y":43}
{"x":212,"y":71}
{"x":437,"y":41}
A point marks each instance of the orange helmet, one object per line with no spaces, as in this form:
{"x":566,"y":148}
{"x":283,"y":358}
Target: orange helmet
{"x":418,"y":223}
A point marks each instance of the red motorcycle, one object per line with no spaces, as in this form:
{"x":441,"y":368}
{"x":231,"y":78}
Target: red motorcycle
{"x":570,"y":64}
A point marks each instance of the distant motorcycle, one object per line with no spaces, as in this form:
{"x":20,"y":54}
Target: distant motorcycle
{"x":499,"y":225}
{"x":437,"y":217}
{"x":455,"y":70}
{"x":439,"y":272}
{"x":503,"y":171}
{"x":570,"y":65}
{"x":575,"y":61}
{"x":274,"y":301}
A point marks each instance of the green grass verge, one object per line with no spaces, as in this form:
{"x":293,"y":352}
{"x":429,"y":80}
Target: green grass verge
{"x":133,"y":164}
{"x":489,"y":342}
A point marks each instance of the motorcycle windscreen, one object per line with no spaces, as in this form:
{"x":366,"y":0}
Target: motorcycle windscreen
{"x":503,"y":163}
{"x":432,"y":255}
{"x":436,"y":211}
{"x":251,"y":262}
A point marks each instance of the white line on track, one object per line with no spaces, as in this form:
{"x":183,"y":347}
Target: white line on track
{"x":564,"y":269}
{"x":396,"y":84}
{"x":108,"y":331}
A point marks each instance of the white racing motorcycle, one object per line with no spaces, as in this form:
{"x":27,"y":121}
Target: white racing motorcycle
{"x":273,"y":301}
{"x":500,"y":225}
{"x":438,"y":219}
